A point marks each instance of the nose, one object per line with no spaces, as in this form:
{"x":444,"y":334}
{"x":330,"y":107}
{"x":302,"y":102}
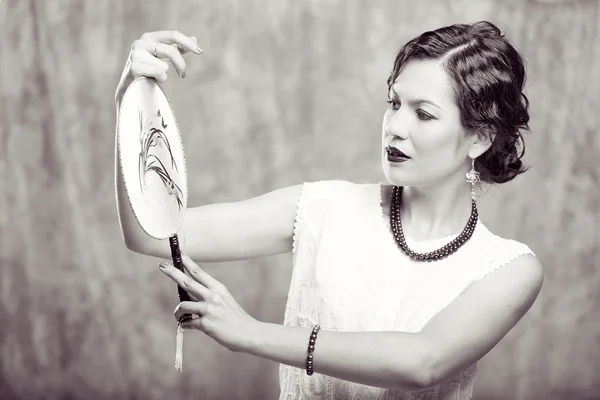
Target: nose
{"x":397,"y":125}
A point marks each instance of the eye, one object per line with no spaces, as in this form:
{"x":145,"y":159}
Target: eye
{"x":423,"y":116}
{"x":394,"y":104}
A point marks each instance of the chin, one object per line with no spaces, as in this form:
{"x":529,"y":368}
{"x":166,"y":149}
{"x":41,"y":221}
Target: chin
{"x":398,"y":178}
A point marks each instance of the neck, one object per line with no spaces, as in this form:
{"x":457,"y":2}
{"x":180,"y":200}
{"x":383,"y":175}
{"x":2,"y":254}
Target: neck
{"x":435,"y":211}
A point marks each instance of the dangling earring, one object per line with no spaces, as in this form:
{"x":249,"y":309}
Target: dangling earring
{"x":473,"y":179}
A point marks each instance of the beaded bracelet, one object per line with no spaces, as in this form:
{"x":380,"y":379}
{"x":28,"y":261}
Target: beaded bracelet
{"x":311,"y":348}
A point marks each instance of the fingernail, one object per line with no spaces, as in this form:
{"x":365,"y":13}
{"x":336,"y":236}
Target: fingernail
{"x":183,"y":75}
{"x":162,"y":265}
{"x":199,"y":50}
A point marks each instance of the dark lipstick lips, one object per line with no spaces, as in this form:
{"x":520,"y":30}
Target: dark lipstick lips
{"x":395,"y":152}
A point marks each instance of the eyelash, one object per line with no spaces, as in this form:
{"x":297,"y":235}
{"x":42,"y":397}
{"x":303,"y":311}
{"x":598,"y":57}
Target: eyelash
{"x":391,"y":103}
{"x":422,"y":115}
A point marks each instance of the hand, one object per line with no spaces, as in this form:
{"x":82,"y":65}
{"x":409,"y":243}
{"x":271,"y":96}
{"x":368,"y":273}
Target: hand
{"x":216,"y":313}
{"x":150,"y":57}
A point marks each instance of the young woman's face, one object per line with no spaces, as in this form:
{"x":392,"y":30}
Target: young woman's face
{"x":423,"y":122}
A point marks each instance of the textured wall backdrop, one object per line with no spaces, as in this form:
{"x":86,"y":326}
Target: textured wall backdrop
{"x":287,"y":91}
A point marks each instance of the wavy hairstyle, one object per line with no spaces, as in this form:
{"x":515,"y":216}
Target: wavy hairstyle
{"x":488,"y":76}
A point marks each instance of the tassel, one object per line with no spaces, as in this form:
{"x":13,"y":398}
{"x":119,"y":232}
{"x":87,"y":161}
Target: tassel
{"x":179,"y":348}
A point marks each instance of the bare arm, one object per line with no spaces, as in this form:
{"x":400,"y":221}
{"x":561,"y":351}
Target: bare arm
{"x":256,"y":227}
{"x":252,"y":228}
{"x":458,"y":336}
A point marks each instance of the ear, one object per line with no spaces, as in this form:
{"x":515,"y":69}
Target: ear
{"x":480,"y":142}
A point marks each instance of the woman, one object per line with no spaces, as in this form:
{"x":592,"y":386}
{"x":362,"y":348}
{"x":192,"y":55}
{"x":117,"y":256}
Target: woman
{"x":396,"y":288}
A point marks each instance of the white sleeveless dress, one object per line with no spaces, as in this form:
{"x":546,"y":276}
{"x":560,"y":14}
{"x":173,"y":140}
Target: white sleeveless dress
{"x":349,"y":275}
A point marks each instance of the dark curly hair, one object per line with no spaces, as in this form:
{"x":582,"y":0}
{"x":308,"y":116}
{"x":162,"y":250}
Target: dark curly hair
{"x":489,"y":78}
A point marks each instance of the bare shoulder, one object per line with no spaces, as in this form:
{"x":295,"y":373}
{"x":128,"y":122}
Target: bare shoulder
{"x":515,"y":265}
{"x":527,"y":270}
{"x":501,"y":263}
{"x":490,"y":308}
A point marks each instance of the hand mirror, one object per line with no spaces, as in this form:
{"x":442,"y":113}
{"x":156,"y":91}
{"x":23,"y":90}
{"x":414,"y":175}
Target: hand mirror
{"x":153,"y":165}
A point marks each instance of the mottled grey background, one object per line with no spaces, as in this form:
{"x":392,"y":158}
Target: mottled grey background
{"x":287,"y":91}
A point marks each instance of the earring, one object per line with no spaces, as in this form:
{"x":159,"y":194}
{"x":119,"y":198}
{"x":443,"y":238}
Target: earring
{"x":473,"y":179}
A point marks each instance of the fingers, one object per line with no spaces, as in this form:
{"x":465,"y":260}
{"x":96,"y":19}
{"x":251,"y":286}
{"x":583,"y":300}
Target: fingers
{"x":194,"y":323}
{"x":154,"y":47}
{"x":184,"y":50}
{"x":145,"y":51}
{"x":187,"y":283}
{"x":199,"y":275}
{"x":144,"y":64}
{"x":147,"y":58}
{"x":171,"y":53}
{"x":173,"y":37}
{"x":151,"y":71}
{"x":189,"y":307}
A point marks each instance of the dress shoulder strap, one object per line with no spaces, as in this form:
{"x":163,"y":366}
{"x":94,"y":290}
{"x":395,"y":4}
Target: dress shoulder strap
{"x":500,"y":252}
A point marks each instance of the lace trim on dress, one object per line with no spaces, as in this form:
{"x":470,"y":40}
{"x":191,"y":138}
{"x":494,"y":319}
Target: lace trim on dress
{"x":496,"y":265}
{"x":297,"y":223}
{"x":309,"y":300}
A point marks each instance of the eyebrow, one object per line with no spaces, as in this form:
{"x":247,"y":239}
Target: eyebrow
{"x":416,"y":101}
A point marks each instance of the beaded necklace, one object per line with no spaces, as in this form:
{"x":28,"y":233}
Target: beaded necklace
{"x":444,"y":251}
